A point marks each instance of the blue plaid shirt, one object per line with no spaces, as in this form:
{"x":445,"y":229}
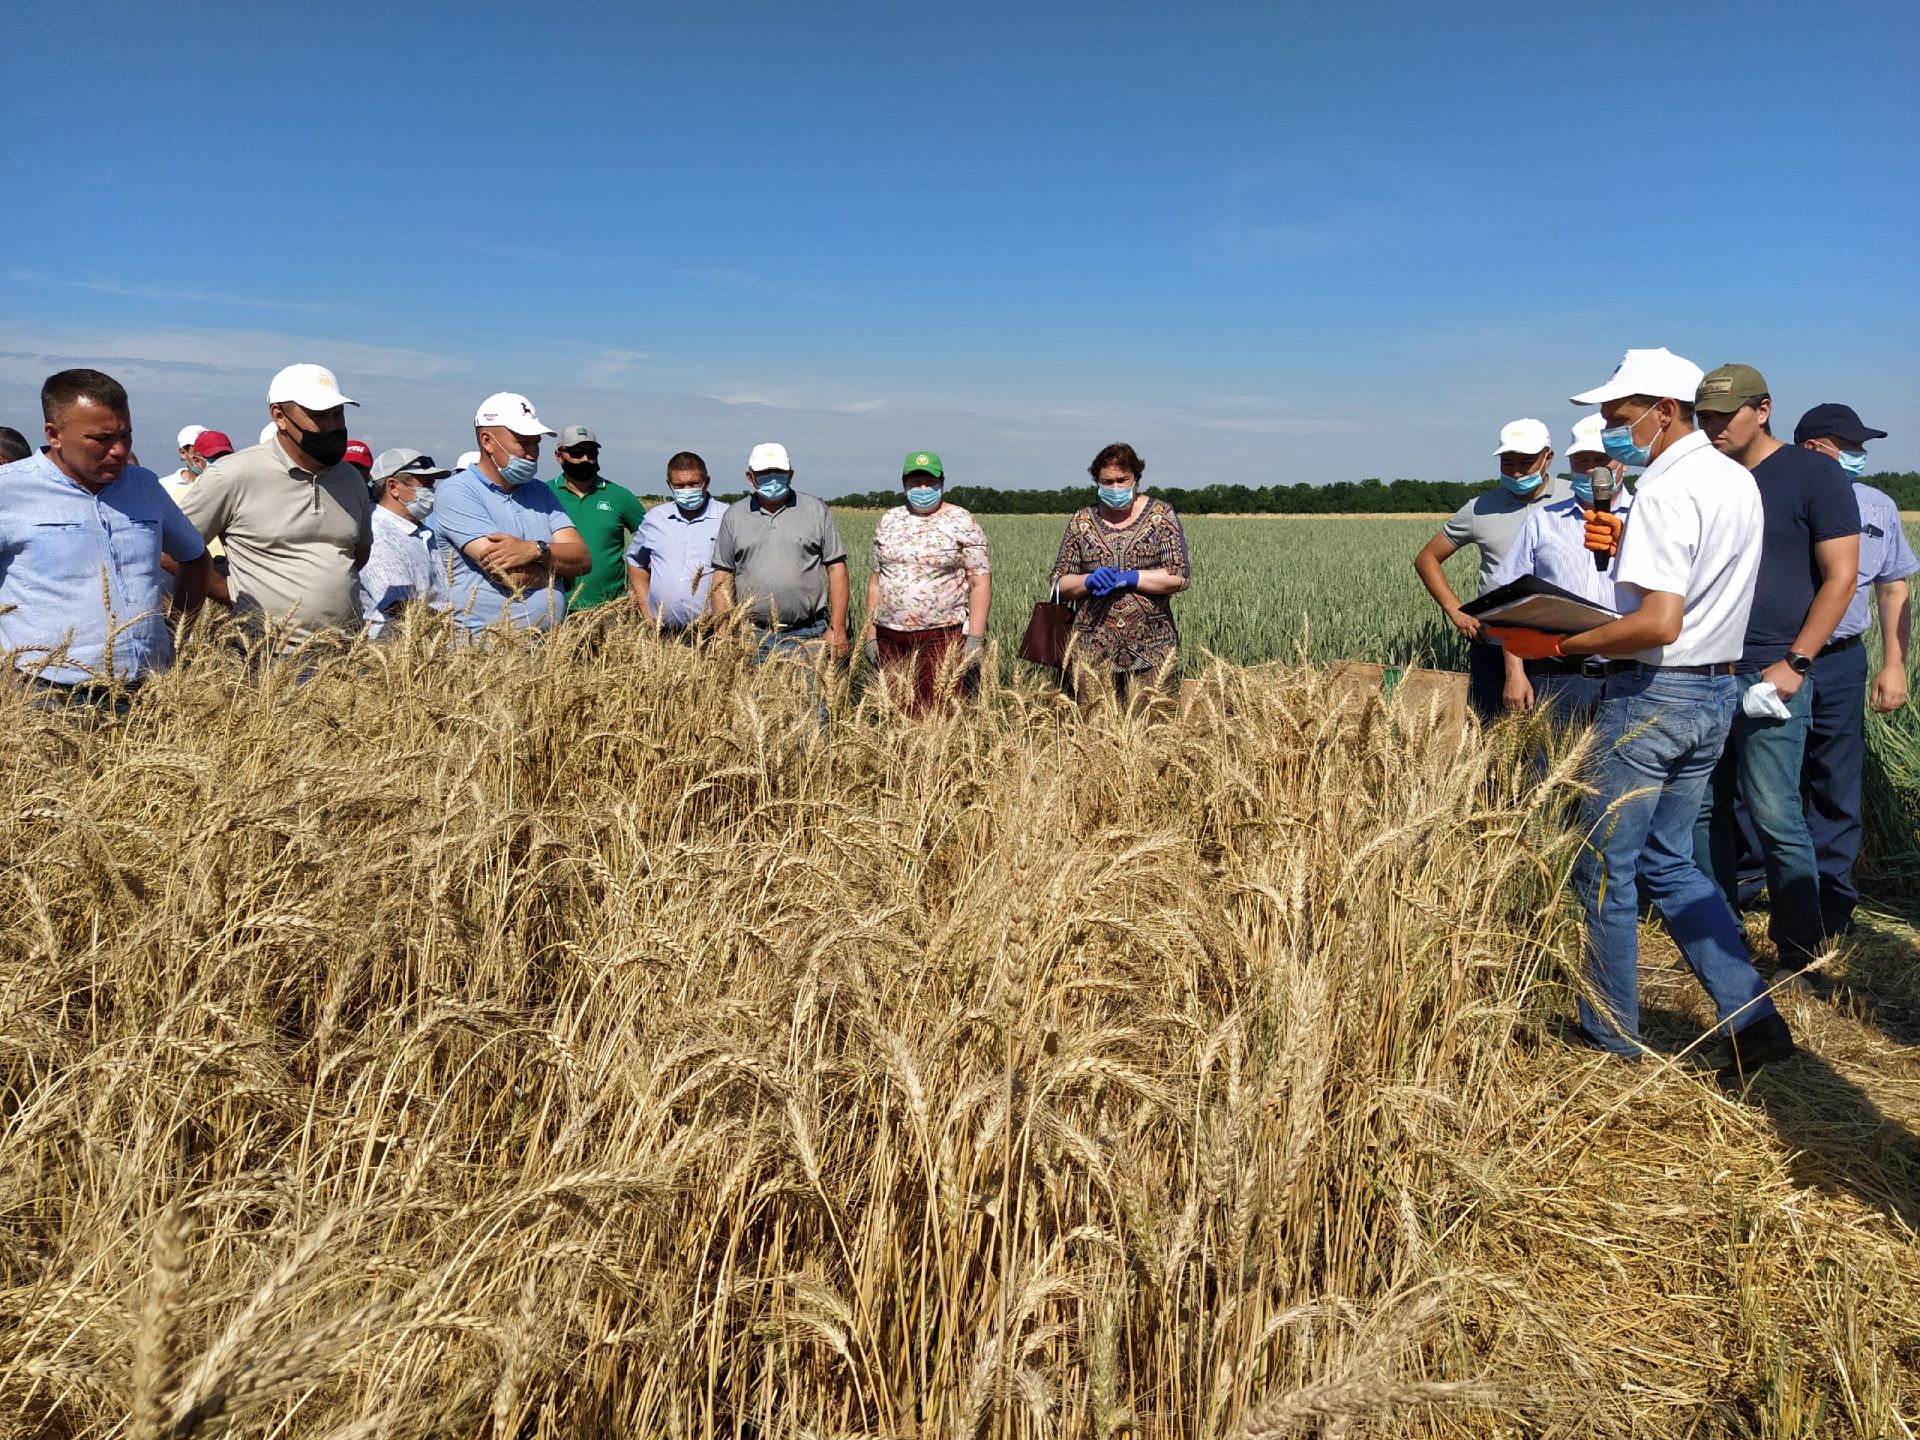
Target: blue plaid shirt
{"x":82,"y":571}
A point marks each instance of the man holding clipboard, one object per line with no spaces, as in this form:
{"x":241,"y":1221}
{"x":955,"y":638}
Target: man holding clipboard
{"x":1685,"y":580}
{"x":1551,"y":547}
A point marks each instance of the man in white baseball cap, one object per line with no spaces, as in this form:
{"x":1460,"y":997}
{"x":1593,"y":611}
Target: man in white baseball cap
{"x":506,"y":538}
{"x":175,"y":482}
{"x":1685,"y":578}
{"x":1491,"y":522}
{"x":779,"y":558}
{"x":294,"y":517}
{"x":1551,"y":546}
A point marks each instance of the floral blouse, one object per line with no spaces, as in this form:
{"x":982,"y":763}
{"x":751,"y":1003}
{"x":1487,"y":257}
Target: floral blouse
{"x":1127,"y":630}
{"x":923,"y":562}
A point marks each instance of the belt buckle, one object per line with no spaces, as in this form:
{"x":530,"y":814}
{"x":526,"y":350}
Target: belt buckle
{"x":1594,"y":667}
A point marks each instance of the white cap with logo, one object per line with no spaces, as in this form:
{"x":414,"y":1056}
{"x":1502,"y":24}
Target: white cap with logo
{"x":189,"y":434}
{"x":311,"y":387}
{"x":769,"y":456}
{"x":1658,"y":374}
{"x":1524,"y":437}
{"x":1586,"y":436}
{"x":510,"y":412}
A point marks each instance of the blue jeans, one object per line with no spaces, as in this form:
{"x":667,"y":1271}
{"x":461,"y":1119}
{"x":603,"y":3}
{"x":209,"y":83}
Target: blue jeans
{"x":1660,"y":733}
{"x":1762,"y":765}
{"x":1830,"y":780}
{"x":796,"y":643}
{"x":1568,"y":696}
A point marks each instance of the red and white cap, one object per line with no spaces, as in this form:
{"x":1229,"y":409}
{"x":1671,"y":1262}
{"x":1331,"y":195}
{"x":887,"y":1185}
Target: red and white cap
{"x":511,"y":412}
{"x":359,"y":453}
{"x":311,"y":387}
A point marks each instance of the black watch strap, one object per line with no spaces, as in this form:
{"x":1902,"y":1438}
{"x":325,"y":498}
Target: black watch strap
{"x":1798,"y":663}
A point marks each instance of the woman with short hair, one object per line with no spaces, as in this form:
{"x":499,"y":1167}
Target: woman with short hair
{"x":1121,"y":561}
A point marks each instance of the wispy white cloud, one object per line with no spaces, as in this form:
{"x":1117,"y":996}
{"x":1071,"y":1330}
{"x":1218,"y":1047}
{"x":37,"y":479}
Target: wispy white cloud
{"x":161,"y":292}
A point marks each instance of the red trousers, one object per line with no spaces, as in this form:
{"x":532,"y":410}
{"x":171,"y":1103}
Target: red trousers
{"x":920,"y":656}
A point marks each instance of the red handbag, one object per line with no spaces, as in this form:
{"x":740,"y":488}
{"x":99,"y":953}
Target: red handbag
{"x":1045,"y":642}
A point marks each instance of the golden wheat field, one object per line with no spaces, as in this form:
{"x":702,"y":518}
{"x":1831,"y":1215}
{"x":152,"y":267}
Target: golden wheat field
{"x":576,"y":1041}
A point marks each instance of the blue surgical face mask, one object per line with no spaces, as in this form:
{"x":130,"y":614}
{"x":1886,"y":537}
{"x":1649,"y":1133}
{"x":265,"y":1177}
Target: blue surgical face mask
{"x":923,"y":497}
{"x":1620,"y":445}
{"x":688,"y":497}
{"x":1583,"y":489}
{"x":1116,"y":497}
{"x":519,"y":470}
{"x":1523,"y":485}
{"x":1854,"y":462}
{"x":773,"y":487}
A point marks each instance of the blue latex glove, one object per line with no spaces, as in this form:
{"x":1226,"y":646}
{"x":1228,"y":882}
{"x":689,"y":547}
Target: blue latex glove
{"x":1100,"y":582}
{"x":1125,"y":579}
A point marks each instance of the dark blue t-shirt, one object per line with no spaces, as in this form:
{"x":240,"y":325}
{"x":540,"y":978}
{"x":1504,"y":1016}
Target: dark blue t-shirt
{"x":1806,"y":498}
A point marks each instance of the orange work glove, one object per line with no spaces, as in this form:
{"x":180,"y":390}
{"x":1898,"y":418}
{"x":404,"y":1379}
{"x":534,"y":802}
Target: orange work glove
{"x":1527,"y":644}
{"x":1604,"y":529}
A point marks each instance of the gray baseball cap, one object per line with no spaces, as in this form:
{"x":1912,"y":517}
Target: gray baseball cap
{"x":573,"y":436}
{"x":391,"y":462}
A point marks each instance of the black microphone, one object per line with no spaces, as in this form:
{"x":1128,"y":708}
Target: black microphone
{"x":1605,"y":483}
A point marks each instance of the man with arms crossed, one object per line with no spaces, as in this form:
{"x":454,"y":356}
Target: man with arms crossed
{"x":509,"y":542}
{"x":1809,"y":567}
{"x":1685,"y":580}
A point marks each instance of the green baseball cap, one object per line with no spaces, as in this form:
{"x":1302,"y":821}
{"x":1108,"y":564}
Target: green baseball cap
{"x":1727,"y":389}
{"x":923,"y":460}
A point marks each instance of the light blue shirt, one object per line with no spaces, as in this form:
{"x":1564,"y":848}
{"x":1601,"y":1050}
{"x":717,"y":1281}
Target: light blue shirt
{"x":1884,"y":555}
{"x":467,"y":506}
{"x":1552,"y":546}
{"x":83,"y":572}
{"x":677,"y":554}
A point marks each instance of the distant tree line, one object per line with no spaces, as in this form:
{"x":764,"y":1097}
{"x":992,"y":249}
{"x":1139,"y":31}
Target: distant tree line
{"x":1343,"y":497}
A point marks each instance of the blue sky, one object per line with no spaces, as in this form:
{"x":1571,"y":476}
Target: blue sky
{"x":1265,"y":243}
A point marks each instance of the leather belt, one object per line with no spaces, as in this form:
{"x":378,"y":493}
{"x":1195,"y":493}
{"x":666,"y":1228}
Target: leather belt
{"x":1838,"y":646}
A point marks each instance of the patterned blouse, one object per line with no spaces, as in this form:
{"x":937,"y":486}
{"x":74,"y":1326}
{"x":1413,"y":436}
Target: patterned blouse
{"x":1127,"y":630}
{"x":923,"y":562}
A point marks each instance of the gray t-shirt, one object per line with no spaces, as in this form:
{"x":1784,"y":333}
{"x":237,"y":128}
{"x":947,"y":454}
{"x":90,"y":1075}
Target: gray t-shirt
{"x":291,"y":536}
{"x":1493,"y":520}
{"x":779,"y":559}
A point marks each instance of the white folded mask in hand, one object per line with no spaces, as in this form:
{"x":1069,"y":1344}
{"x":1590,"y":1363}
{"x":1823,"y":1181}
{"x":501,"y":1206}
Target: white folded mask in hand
{"x":1763,"y":702}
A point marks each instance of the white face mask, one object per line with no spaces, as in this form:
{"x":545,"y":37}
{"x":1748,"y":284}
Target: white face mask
{"x":421,"y":505}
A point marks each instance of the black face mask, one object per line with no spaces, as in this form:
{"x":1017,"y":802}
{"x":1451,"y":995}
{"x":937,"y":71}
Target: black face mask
{"x":329,"y":447}
{"x":581,"y":470}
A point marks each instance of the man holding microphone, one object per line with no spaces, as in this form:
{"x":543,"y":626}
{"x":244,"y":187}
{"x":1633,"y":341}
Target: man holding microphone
{"x":1685,"y":580}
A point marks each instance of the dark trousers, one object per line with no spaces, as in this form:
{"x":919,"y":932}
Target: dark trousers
{"x":1830,"y":778}
{"x":1486,"y":680}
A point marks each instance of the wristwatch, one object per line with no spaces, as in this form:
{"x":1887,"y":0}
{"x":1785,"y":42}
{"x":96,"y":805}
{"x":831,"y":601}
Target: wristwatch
{"x":1798,"y":663}
{"x":546,"y":551}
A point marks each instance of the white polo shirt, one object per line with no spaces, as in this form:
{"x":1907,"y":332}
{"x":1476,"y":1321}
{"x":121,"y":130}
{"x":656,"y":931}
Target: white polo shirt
{"x":1695,"y":533}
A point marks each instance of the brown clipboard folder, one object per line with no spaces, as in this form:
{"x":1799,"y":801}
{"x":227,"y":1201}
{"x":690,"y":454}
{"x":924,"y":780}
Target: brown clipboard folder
{"x":1531,"y":603}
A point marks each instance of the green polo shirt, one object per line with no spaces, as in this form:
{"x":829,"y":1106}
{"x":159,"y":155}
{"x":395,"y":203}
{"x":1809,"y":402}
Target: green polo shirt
{"x":605,"y":516}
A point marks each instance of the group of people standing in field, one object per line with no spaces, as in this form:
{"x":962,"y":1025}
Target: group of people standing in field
{"x":308,"y":534}
{"x":1738,"y":570}
{"x":1730,"y":693}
